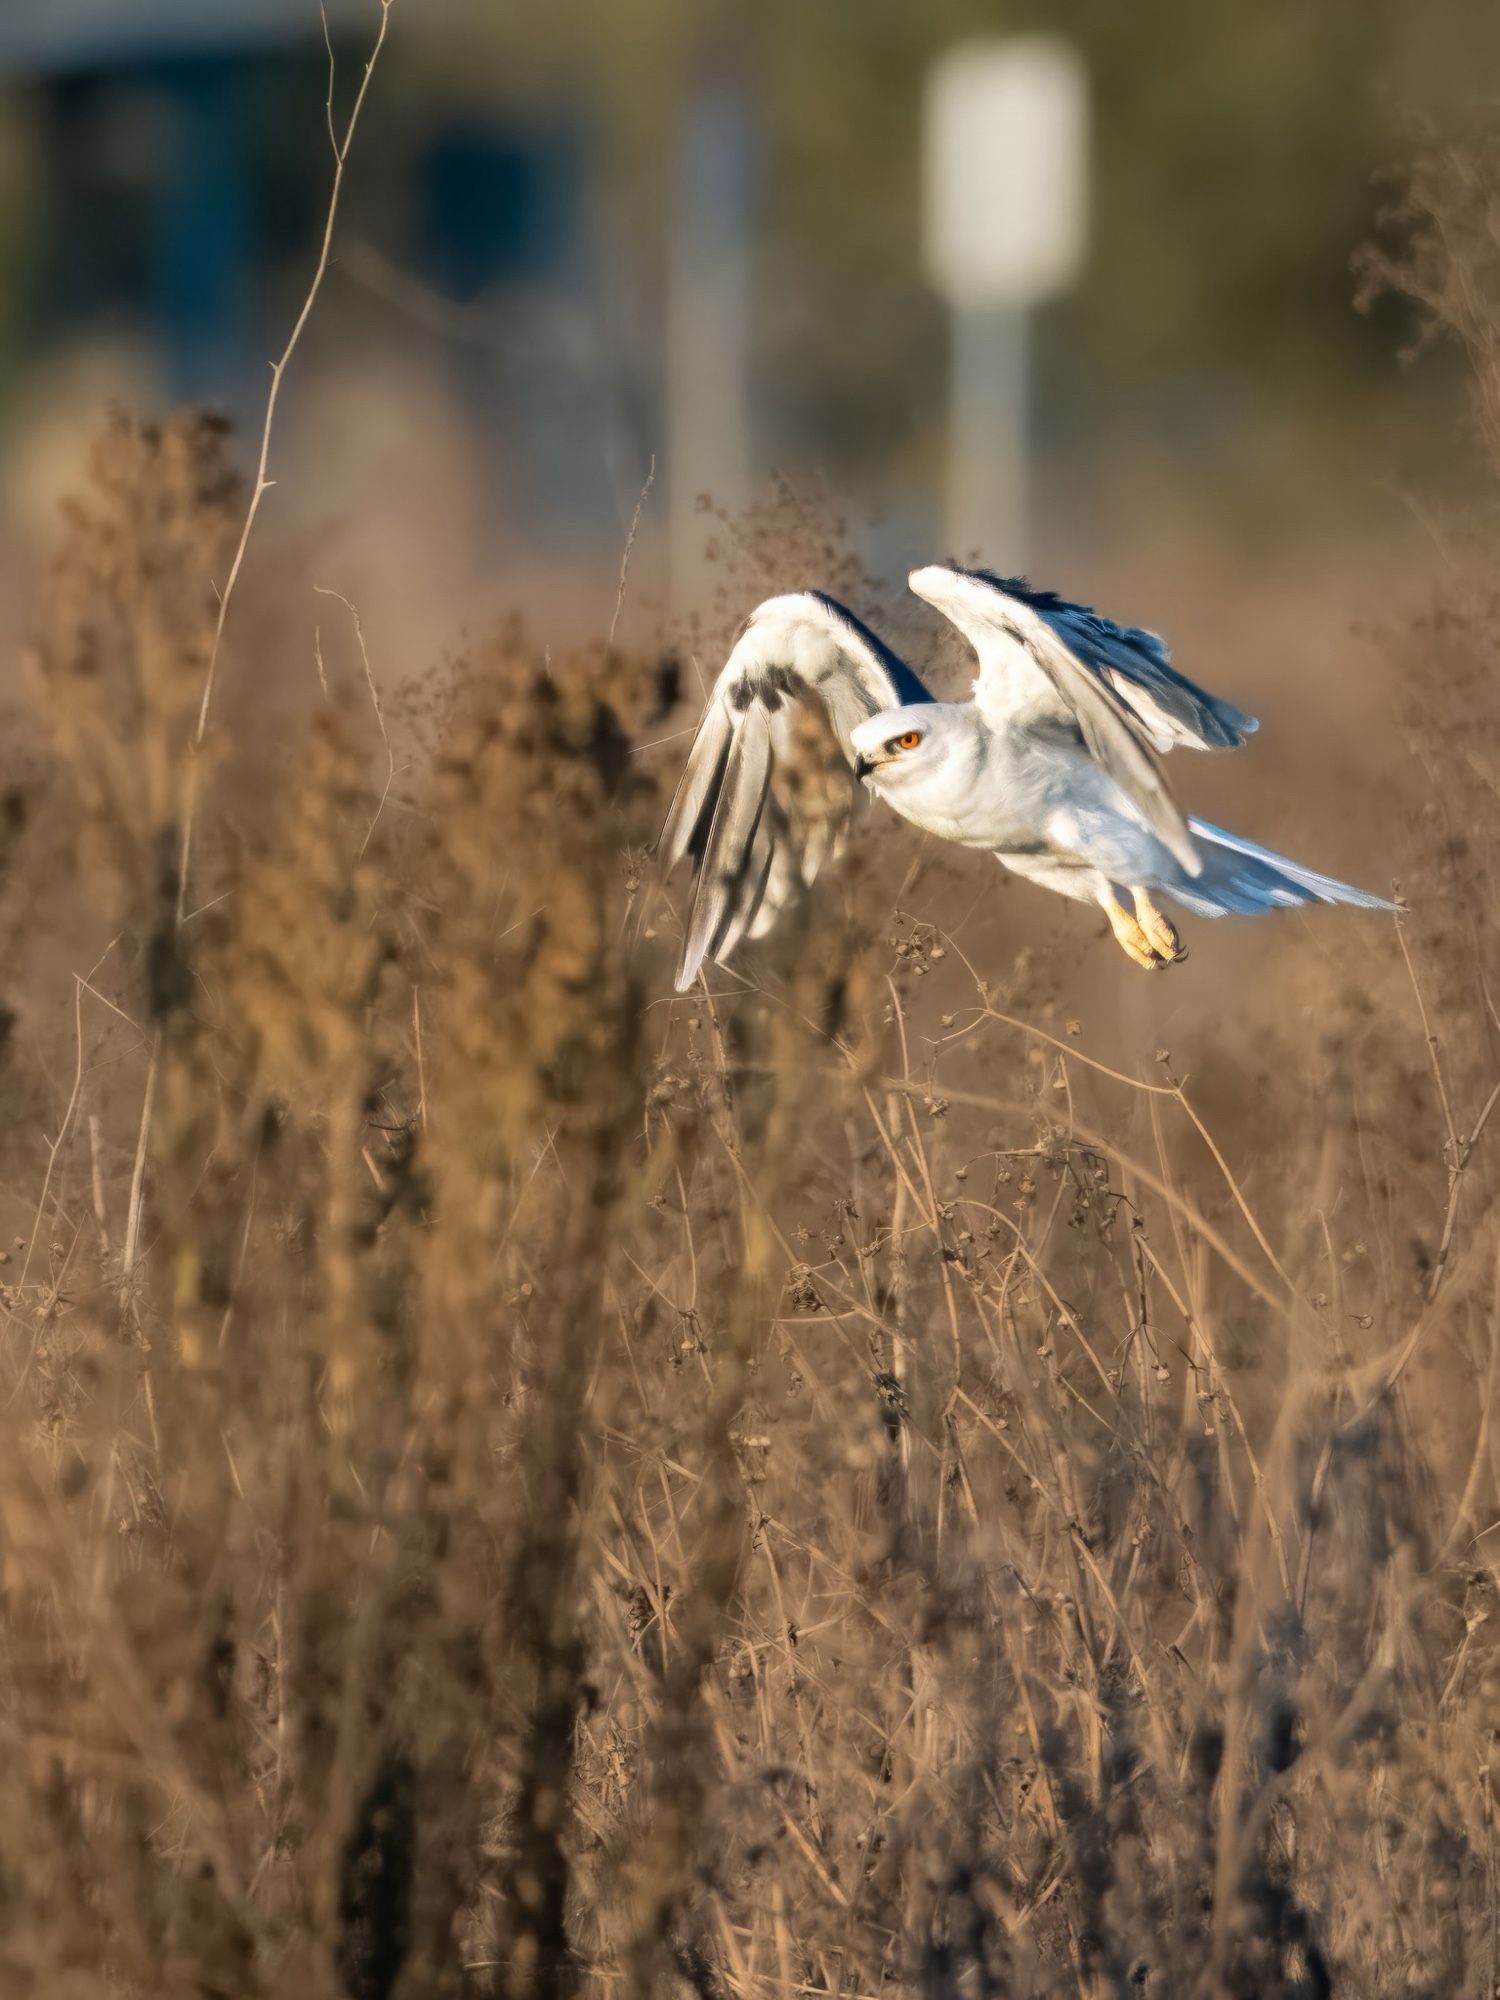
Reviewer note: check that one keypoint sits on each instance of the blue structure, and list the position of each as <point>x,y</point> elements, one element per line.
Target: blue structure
<point>152,122</point>
<point>181,183</point>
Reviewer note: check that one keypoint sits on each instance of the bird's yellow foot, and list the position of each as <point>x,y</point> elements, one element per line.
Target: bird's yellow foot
<point>1160,930</point>
<point>1131,935</point>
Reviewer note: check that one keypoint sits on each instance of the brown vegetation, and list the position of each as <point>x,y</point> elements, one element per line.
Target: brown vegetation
<point>515,1485</point>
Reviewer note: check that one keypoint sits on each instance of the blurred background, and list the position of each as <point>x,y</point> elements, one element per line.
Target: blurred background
<point>586,240</point>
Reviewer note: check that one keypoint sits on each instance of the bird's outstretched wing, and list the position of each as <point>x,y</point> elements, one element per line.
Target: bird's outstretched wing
<point>754,841</point>
<point>1029,676</point>
<point>1175,712</point>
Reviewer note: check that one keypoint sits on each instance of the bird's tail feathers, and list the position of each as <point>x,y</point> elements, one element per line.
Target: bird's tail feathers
<point>1240,877</point>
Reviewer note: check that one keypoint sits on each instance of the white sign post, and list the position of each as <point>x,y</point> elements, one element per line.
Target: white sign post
<point>1006,219</point>
<point>708,321</point>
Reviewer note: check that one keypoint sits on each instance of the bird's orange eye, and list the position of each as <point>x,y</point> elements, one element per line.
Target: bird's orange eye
<point>909,741</point>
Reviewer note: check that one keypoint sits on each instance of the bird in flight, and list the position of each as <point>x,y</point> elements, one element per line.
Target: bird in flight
<point>1052,765</point>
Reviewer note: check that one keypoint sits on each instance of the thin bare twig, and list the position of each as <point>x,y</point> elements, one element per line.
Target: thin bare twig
<point>1432,1050</point>
<point>80,985</point>
<point>416,1022</point>
<point>635,522</point>
<point>1371,1375</point>
<point>263,481</point>
<point>1464,1153</point>
<point>263,484</point>
<point>138,1171</point>
<point>63,1130</point>
<point>385,735</point>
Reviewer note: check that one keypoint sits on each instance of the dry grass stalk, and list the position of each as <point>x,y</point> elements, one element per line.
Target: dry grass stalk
<point>823,1487</point>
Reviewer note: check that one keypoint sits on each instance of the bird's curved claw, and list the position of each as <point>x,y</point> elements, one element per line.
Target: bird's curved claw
<point>1145,935</point>
<point>1160,931</point>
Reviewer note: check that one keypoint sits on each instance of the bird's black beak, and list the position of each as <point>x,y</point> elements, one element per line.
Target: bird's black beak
<point>863,765</point>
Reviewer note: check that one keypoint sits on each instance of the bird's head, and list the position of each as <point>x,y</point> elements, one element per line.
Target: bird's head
<point>896,734</point>
<point>901,746</point>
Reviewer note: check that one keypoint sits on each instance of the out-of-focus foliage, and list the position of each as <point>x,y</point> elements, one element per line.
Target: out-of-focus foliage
<point>1236,152</point>
<point>1235,156</point>
<point>516,1487</point>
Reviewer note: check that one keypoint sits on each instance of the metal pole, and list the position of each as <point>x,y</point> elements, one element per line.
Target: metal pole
<point>708,322</point>
<point>988,438</point>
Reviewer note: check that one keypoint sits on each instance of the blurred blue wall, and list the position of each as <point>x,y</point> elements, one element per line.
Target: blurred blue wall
<point>180,164</point>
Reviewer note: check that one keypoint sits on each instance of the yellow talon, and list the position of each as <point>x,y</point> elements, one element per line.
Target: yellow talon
<point>1160,930</point>
<point>1130,935</point>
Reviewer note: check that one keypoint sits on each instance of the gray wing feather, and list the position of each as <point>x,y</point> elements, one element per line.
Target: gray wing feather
<point>1139,668</point>
<point>724,870</point>
<point>750,903</point>
<point>823,839</point>
<point>1176,712</point>
<point>1030,676</point>
<point>752,850</point>
<point>1113,738</point>
<point>691,812</point>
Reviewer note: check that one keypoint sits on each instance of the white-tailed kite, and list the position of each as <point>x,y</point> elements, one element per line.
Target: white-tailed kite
<point>1052,766</point>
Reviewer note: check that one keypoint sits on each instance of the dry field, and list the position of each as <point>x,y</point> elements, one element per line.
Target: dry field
<point>861,1482</point>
